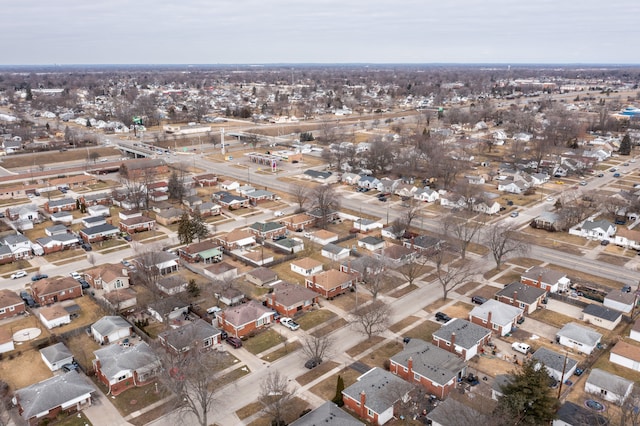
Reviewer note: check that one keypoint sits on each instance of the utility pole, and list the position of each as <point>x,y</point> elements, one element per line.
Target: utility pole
<point>564,368</point>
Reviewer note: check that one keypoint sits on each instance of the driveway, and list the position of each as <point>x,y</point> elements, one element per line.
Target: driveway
<point>565,308</point>
<point>535,327</point>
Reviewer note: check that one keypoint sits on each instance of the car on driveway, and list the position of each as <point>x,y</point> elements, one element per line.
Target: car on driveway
<point>616,175</point>
<point>28,299</point>
<point>234,341</point>
<point>514,214</point>
<point>38,277</point>
<point>18,274</point>
<point>583,183</point>
<point>72,366</point>
<point>84,283</point>
<point>521,347</point>
<point>313,363</point>
<point>604,242</point>
<point>478,300</point>
<point>278,213</point>
<point>75,275</point>
<point>86,246</point>
<point>441,316</point>
<point>289,323</point>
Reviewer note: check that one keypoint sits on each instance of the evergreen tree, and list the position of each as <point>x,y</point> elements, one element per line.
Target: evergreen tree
<point>527,399</point>
<point>337,399</point>
<point>176,189</point>
<point>185,230</point>
<point>625,145</point>
<point>200,230</point>
<point>193,289</point>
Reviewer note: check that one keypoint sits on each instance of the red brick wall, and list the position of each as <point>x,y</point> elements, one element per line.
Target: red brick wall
<point>16,310</point>
<point>440,391</point>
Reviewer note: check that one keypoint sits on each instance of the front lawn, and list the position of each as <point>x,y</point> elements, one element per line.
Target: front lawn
<point>263,341</point>
<point>135,399</point>
<point>313,318</point>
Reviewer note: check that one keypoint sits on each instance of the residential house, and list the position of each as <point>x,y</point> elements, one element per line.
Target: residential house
<point>405,190</point>
<point>306,266</point>
<point>169,309</point>
<point>55,230</point>
<point>64,393</point>
<point>192,201</point>
<point>322,177</point>
<point>197,334</point>
<point>620,300</point>
<point>601,316</point>
<point>289,299</point>
<point>475,179</point>
<point>350,178</point>
<point>374,395</point>
<point>58,242</point>
<point>206,180</point>
<point>236,239</point>
<point>19,245</point>
<point>423,244</point>
<point>121,299</point>
<point>230,296</point>
<point>289,245</point>
<point>499,383</point>
<point>523,296</point>
<point>548,221</point>
<point>56,289</point>
<point>261,276</point>
<point>627,238</point>
<point>56,355</point>
<point>366,225</point>
<point>559,366</point>
<point>61,204</point>
<point>245,319</point>
<point>221,271</point>
<point>595,230</point>
<point>172,284</point>
<point>634,333</point>
<point>207,209</point>
<point>120,367</point>
<point>206,251</point>
<point>334,252</point>
<point>435,369</point>
<point>135,221</point>
<point>451,411</point>
<point>496,316</point>
<point>512,186</point>
<point>6,256</point>
<point>571,414</point>
<point>230,201</point>
<point>6,341</point>
<point>427,195</point>
<point>62,217</point>
<point>165,262</point>
<point>54,316</point>
<point>28,212</point>
<point>388,185</point>
<point>487,207</point>
<point>396,255</point>
<point>608,386</point>
<point>330,283</point>
<point>267,230</point>
<point>99,233</point>
<point>91,221</point>
<point>582,339</point>
<point>368,182</point>
<point>371,243</point>
<point>260,195</point>
<point>229,185</point>
<point>547,279</point>
<point>328,414</point>
<point>108,277</point>
<point>626,355</point>
<point>110,329</point>
<point>298,222</point>
<point>99,210</point>
<point>169,215</point>
<point>10,304</point>
<point>318,215</point>
<point>461,337</point>
<point>362,267</point>
<point>323,237</point>
<point>99,199</point>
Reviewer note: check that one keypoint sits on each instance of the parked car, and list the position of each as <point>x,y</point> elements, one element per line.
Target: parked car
<point>514,214</point>
<point>213,310</point>
<point>72,366</point>
<point>478,299</point>
<point>626,289</point>
<point>18,274</point>
<point>521,347</point>
<point>278,213</point>
<point>84,283</point>
<point>38,277</point>
<point>279,237</point>
<point>604,242</point>
<point>75,275</point>
<point>234,341</point>
<point>313,363</point>
<point>600,174</point>
<point>28,299</point>
<point>289,323</point>
<point>441,316</point>
<point>127,237</point>
<point>86,246</point>
<point>616,175</point>
<point>583,183</point>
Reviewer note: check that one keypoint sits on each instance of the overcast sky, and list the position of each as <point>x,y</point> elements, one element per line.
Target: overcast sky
<point>319,31</point>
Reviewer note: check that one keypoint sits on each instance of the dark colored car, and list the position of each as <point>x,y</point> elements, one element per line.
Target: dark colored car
<point>279,237</point>
<point>73,366</point>
<point>127,237</point>
<point>604,242</point>
<point>223,334</point>
<point>441,316</point>
<point>478,299</point>
<point>86,246</point>
<point>234,341</point>
<point>84,283</point>
<point>626,289</point>
<point>28,299</point>
<point>38,277</point>
<point>313,363</point>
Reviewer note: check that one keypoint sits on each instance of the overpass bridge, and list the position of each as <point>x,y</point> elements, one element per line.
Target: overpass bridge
<point>138,149</point>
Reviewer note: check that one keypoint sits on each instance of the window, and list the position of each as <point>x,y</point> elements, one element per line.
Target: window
<point>260,322</point>
<point>603,392</point>
<point>370,413</point>
<point>405,369</point>
<point>522,305</point>
<point>416,377</point>
<point>121,378</point>
<point>494,326</point>
<point>2,310</point>
<point>118,283</point>
<point>12,308</point>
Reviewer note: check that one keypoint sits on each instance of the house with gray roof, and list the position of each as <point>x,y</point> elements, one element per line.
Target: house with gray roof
<point>608,386</point>
<point>374,395</point>
<point>500,381</point>
<point>55,356</point>
<point>110,329</point>
<point>244,319</point>
<point>595,230</point>
<point>267,230</point>
<point>522,296</point>
<point>496,316</point>
<point>328,414</point>
<point>453,412</point>
<point>577,337</point>
<point>555,363</point>
<point>99,232</point>
<point>371,243</point>
<point>317,175</point>
<point>197,334</point>
<point>63,217</point>
<point>121,368</point>
<point>547,279</point>
<point>334,252</point>
<point>435,369</point>
<point>260,195</point>
<point>289,245</point>
<point>461,337</point>
<point>620,300</point>
<point>19,244</point>
<point>601,316</point>
<point>261,276</point>
<point>571,414</point>
<point>290,299</point>
<point>24,212</point>
<point>67,393</point>
<point>55,229</point>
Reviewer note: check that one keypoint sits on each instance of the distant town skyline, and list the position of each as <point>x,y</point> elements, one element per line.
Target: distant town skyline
<point>320,31</point>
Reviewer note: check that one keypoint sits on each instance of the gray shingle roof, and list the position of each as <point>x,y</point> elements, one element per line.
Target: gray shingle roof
<point>554,360</point>
<point>580,334</point>
<point>609,382</point>
<point>107,325</point>
<point>382,389</point>
<point>602,312</point>
<point>526,293</point>
<point>501,313</point>
<point>56,353</point>
<point>452,411</point>
<point>333,248</point>
<point>430,361</point>
<point>574,414</point>
<point>467,333</point>
<point>328,414</point>
<point>115,358</point>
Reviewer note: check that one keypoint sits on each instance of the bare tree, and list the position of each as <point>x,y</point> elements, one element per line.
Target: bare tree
<point>326,201</point>
<point>503,240</point>
<point>375,280</point>
<point>276,397</point>
<point>451,275</point>
<point>411,212</point>
<point>461,232</point>
<point>372,318</point>
<point>317,348</point>
<point>301,194</point>
<point>134,187</point>
<point>411,271</point>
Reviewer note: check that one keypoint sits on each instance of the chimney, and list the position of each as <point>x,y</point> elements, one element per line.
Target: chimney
<point>349,267</point>
<point>515,299</point>
<point>489,319</point>
<point>453,342</point>
<point>410,367</point>
<point>540,280</point>
<point>363,400</point>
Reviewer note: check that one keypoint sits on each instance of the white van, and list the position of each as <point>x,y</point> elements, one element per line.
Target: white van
<point>521,347</point>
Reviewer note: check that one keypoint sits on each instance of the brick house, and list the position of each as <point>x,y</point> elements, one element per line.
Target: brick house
<point>496,316</point>
<point>197,334</point>
<point>330,283</point>
<point>245,319</point>
<point>238,238</point>
<point>267,230</point>
<point>99,233</point>
<point>299,222</point>
<point>206,251</point>
<point>374,395</point>
<point>51,290</point>
<point>522,296</point>
<point>545,278</point>
<point>108,277</point>
<point>435,369</point>
<point>139,167</point>
<point>103,199</point>
<point>206,180</point>
<point>289,299</point>
<point>62,204</point>
<point>10,304</point>
<point>134,221</point>
<point>120,368</point>
<point>461,337</point>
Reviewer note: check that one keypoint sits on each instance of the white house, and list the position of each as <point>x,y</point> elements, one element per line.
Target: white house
<point>426,194</point>
<point>601,316</point>
<point>55,356</point>
<point>635,331</point>
<point>487,208</point>
<point>366,225</point>
<point>110,329</point>
<point>620,300</point>
<point>228,185</point>
<point>608,386</point>
<point>559,366</point>
<point>54,316</point>
<point>334,252</point>
<point>595,230</point>
<point>513,187</point>
<point>626,355</point>
<point>578,337</point>
<point>323,237</point>
<point>627,238</point>
<point>306,266</point>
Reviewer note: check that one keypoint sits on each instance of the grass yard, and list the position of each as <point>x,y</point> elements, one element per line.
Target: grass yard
<point>263,341</point>
<point>319,371</point>
<point>363,346</point>
<point>402,324</point>
<point>509,277</point>
<point>436,305</point>
<point>525,262</point>
<point>335,325</point>
<point>403,291</point>
<point>23,368</point>
<point>249,410</point>
<point>285,350</point>
<point>314,318</point>
<point>347,301</point>
<point>423,331</point>
<point>378,357</point>
<point>326,389</point>
<point>612,259</point>
<point>231,376</point>
<point>135,399</point>
<point>550,317</point>
<point>459,310</point>
<point>294,408</point>
<point>150,415</point>
<point>577,276</point>
<point>77,419</point>
<point>82,346</point>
